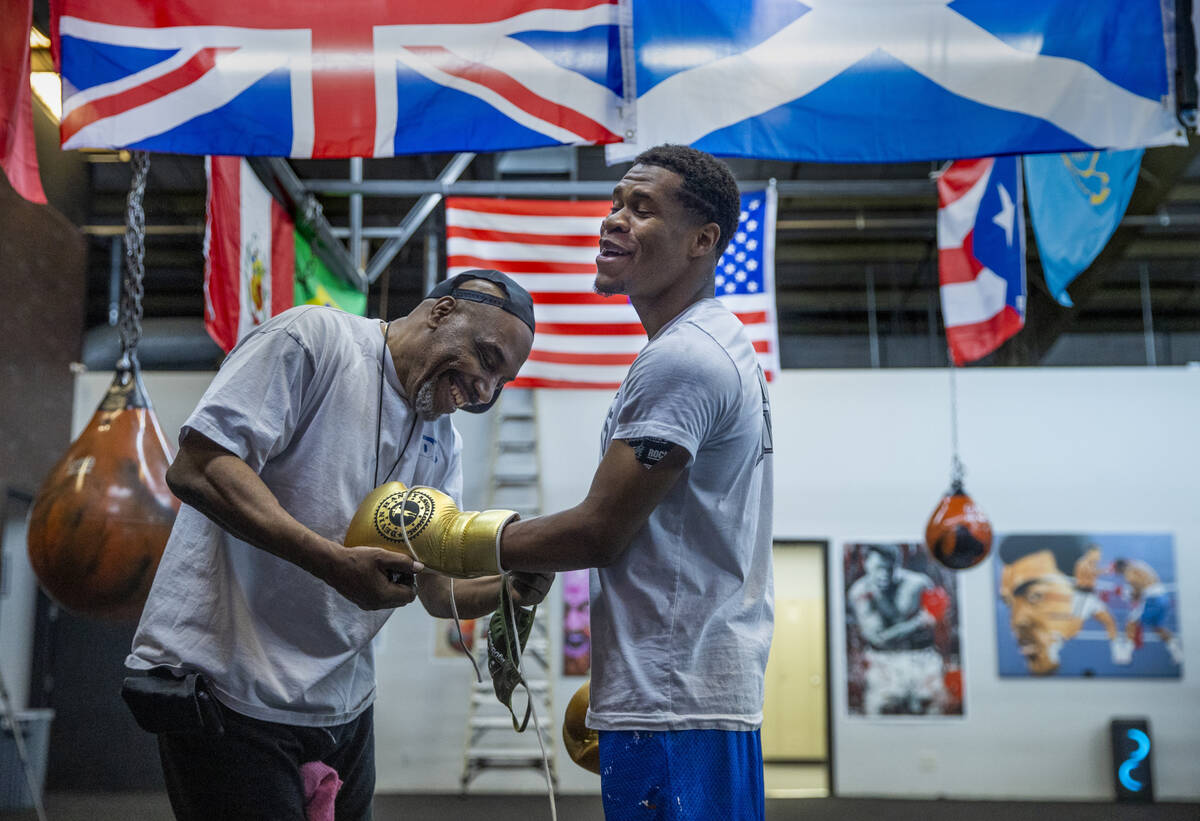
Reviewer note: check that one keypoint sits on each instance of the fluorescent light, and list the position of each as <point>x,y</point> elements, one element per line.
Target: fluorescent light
<point>37,39</point>
<point>47,87</point>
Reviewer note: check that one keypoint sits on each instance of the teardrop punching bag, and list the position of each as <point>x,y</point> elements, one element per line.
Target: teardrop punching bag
<point>101,518</point>
<point>958,534</point>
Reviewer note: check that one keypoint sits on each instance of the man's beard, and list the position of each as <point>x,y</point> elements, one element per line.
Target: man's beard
<point>423,404</point>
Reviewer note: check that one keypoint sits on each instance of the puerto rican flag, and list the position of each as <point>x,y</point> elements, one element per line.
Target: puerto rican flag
<point>981,254</point>
<point>355,78</point>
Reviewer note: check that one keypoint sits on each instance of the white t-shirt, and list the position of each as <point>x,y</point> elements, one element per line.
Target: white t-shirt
<point>296,399</point>
<point>682,623</point>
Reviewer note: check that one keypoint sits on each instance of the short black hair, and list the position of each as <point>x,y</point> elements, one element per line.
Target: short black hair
<point>709,190</point>
<point>889,552</point>
<point>1066,547</point>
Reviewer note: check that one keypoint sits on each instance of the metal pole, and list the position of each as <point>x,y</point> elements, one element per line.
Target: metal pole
<point>416,216</point>
<point>872,321</point>
<point>431,258</point>
<point>307,211</point>
<point>1147,316</point>
<point>829,189</point>
<point>356,203</point>
<point>115,257</point>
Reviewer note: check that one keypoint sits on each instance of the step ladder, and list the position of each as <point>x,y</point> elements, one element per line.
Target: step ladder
<point>491,742</point>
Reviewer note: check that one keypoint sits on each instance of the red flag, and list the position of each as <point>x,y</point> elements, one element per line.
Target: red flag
<point>585,340</point>
<point>256,263</point>
<point>249,258</point>
<point>18,153</point>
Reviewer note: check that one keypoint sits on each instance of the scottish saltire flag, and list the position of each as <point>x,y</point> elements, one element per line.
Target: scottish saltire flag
<point>1076,201</point>
<point>308,78</point>
<point>981,254</point>
<point>900,80</point>
<point>585,340</point>
<point>256,264</point>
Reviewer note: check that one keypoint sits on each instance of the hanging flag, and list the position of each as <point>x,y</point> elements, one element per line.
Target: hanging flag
<point>1076,201</point>
<point>981,254</point>
<point>360,78</point>
<point>18,153</point>
<point>585,340</point>
<point>900,80</point>
<point>256,264</point>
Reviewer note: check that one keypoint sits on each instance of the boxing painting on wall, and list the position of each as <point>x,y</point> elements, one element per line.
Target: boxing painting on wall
<point>577,632</point>
<point>902,636</point>
<point>1087,604</point>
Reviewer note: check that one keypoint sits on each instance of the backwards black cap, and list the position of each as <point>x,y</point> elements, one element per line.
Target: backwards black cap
<point>517,302</point>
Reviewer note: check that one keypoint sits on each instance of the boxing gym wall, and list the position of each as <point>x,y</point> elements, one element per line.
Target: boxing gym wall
<point>42,269</point>
<point>861,456</point>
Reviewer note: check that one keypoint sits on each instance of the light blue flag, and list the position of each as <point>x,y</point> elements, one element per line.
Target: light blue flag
<point>1076,202</point>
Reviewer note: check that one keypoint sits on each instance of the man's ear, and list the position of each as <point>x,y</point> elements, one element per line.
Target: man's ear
<point>705,239</point>
<point>441,309</point>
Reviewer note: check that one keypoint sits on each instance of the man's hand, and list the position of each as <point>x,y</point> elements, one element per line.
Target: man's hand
<point>528,589</point>
<point>364,575</point>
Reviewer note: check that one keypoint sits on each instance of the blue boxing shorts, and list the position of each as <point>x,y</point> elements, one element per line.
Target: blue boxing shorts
<point>681,775</point>
<point>1154,611</point>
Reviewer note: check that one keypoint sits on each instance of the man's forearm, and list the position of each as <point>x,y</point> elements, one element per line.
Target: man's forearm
<point>569,540</point>
<point>228,491</point>
<point>908,626</point>
<point>474,598</point>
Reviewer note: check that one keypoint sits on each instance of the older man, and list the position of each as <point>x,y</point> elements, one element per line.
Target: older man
<point>258,612</point>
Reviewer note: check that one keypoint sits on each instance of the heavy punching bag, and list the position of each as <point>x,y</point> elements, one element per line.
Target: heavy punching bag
<point>101,518</point>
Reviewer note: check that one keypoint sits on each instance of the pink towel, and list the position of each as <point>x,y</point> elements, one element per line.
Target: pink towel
<point>321,785</point>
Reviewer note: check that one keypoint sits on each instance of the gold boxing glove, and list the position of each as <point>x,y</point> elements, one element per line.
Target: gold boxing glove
<point>461,544</point>
<point>583,744</point>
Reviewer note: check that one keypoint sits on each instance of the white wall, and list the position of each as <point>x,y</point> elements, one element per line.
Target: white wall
<point>864,456</point>
<point>860,456</point>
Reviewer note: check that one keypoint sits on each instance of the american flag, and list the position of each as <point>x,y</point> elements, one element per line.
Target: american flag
<point>304,78</point>
<point>585,340</point>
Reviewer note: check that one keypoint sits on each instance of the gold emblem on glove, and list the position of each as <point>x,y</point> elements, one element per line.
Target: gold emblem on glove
<point>395,516</point>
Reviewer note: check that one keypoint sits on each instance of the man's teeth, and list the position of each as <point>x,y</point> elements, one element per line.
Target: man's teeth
<point>457,396</point>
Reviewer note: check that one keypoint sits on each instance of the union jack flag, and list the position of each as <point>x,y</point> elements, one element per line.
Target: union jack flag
<point>356,78</point>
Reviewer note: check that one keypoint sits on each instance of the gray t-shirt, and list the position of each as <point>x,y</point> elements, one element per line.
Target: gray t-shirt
<point>296,399</point>
<point>682,623</point>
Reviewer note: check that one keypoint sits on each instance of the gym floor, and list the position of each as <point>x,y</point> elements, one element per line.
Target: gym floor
<point>154,807</point>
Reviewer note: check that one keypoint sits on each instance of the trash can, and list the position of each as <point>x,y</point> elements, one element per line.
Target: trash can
<point>35,733</point>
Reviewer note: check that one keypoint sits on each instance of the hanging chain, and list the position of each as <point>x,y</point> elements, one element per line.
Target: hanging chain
<point>956,465</point>
<point>130,322</point>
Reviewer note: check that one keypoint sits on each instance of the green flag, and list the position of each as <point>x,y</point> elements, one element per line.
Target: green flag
<point>317,285</point>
